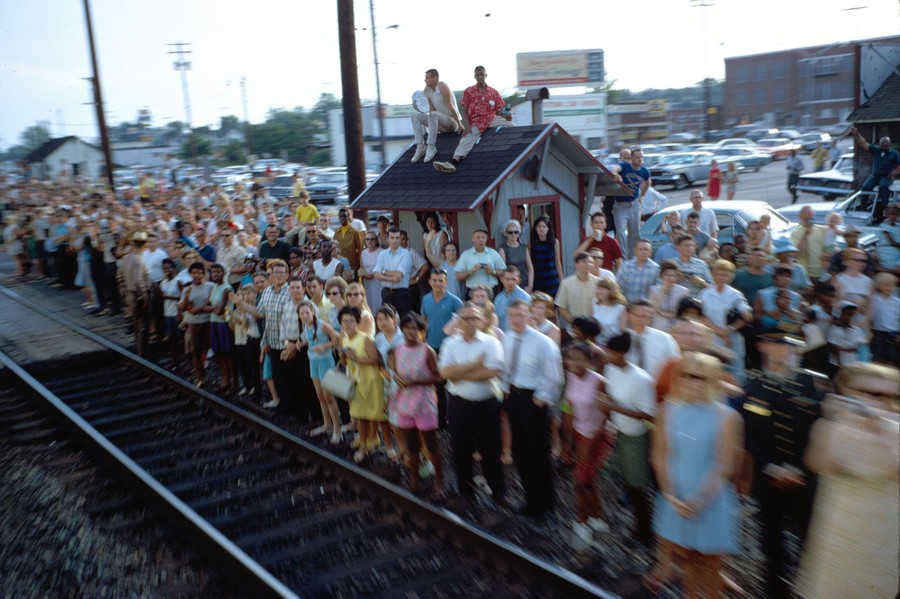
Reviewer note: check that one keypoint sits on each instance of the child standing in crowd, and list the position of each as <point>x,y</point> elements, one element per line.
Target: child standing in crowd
<point>885,319</point>
<point>415,408</point>
<point>171,294</point>
<point>246,343</point>
<point>196,309</point>
<point>592,440</point>
<point>220,335</point>
<point>320,339</point>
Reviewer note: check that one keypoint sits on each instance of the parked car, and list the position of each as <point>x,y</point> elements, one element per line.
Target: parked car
<point>282,186</point>
<point>746,157</point>
<point>761,133</point>
<point>682,169</point>
<point>832,184</point>
<point>671,147</point>
<point>809,140</point>
<point>858,210</point>
<point>779,147</point>
<point>327,187</point>
<point>732,218</point>
<point>741,142</point>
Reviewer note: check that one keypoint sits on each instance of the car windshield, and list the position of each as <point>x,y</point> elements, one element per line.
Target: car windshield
<point>284,181</point>
<point>769,143</point>
<point>680,159</point>
<point>332,178</point>
<point>778,222</point>
<point>845,166</point>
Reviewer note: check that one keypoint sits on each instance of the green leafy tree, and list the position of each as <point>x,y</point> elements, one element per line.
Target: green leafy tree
<point>35,136</point>
<point>196,145</point>
<point>235,152</point>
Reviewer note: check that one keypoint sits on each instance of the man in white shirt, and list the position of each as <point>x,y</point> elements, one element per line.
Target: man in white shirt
<point>651,349</point>
<point>708,222</point>
<point>152,258</point>
<point>632,405</point>
<point>442,116</point>
<point>532,382</point>
<point>479,265</point>
<point>794,166</point>
<point>472,362</point>
<point>576,293</point>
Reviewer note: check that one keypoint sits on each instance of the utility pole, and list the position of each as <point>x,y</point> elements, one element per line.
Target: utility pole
<point>383,162</point>
<point>707,93</point>
<point>98,99</point>
<point>353,138</point>
<point>183,65</point>
<point>248,132</point>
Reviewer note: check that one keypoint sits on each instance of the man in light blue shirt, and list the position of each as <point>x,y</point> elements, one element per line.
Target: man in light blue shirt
<point>392,268</point>
<point>510,279</point>
<point>479,265</point>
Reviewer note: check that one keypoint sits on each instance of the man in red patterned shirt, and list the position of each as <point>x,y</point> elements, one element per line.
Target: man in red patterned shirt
<point>480,109</point>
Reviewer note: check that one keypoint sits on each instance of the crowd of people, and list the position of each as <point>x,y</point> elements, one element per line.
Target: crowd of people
<point>699,374</point>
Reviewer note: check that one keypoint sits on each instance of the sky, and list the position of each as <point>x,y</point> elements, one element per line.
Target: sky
<point>287,50</point>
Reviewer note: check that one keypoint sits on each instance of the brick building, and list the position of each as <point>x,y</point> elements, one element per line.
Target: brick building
<point>806,87</point>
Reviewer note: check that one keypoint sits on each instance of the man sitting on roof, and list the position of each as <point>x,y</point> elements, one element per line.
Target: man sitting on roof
<point>481,106</point>
<point>442,116</point>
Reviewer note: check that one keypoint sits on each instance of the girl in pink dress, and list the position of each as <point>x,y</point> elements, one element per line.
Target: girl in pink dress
<point>413,365</point>
<point>593,440</point>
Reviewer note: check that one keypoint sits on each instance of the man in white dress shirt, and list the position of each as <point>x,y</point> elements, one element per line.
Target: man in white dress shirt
<point>532,382</point>
<point>651,349</point>
<point>472,363</point>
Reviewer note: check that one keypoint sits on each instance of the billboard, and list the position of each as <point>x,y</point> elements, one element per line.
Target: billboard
<point>569,67</point>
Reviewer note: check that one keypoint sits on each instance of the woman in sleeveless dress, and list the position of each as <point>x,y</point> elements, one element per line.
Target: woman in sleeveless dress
<point>545,257</point>
<point>515,253</point>
<point>694,453</point>
<point>415,407</point>
<point>361,358</point>
<point>320,339</point>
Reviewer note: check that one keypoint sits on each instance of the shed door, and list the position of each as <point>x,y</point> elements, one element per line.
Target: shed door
<point>535,207</point>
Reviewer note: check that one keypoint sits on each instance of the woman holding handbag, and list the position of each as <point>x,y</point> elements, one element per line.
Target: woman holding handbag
<point>361,358</point>
<point>320,338</point>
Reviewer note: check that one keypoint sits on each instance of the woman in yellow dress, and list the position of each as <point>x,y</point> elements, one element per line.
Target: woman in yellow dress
<point>853,547</point>
<point>361,357</point>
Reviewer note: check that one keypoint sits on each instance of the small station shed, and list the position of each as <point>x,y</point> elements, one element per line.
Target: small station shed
<point>540,167</point>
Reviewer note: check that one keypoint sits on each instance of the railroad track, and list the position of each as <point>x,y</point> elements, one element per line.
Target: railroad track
<point>282,517</point>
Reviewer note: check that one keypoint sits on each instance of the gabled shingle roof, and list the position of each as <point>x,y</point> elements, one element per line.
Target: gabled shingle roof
<point>47,148</point>
<point>884,105</point>
<point>407,186</point>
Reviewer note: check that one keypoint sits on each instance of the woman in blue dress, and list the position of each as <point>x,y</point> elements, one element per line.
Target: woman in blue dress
<point>695,451</point>
<point>545,257</point>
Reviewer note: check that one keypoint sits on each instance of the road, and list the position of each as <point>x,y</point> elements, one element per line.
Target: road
<point>768,185</point>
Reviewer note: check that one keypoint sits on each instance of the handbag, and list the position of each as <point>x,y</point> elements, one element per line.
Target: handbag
<point>339,384</point>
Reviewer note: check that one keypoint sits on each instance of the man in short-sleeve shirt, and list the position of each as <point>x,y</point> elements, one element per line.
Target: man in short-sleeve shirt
<point>481,106</point>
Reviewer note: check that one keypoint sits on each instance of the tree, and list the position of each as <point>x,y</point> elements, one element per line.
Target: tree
<point>235,152</point>
<point>326,102</point>
<point>35,136</point>
<point>229,123</point>
<point>196,145</point>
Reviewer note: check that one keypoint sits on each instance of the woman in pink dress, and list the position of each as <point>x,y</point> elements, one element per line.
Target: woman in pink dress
<point>413,365</point>
<point>714,181</point>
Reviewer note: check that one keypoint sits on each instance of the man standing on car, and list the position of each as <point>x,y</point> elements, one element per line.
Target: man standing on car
<point>794,167</point>
<point>442,116</point>
<point>627,210</point>
<point>885,167</point>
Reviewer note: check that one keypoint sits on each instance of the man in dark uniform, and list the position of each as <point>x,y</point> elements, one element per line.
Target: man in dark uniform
<point>781,405</point>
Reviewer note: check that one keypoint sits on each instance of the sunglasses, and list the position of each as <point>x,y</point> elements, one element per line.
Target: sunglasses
<point>512,232</point>
<point>693,376</point>
<point>355,294</point>
<point>336,293</point>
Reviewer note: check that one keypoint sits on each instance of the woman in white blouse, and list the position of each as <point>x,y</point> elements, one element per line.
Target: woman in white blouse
<point>721,303</point>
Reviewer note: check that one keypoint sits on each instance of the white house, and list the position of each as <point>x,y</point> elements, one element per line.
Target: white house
<point>68,156</point>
